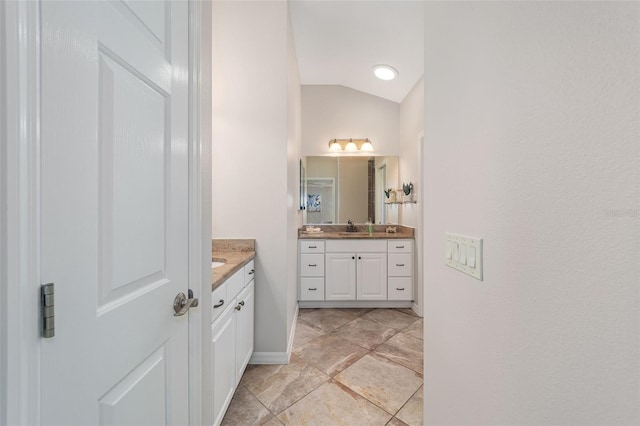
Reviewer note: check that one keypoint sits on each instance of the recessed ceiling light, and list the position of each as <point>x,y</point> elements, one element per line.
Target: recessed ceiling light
<point>385,72</point>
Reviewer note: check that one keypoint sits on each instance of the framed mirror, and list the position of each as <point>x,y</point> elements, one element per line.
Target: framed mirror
<point>303,197</point>
<point>350,188</point>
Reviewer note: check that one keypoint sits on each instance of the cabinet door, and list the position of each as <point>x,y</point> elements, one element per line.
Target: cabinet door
<point>340,276</point>
<point>223,358</point>
<point>372,276</point>
<point>244,341</point>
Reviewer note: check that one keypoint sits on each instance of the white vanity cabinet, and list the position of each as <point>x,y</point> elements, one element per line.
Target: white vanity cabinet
<point>232,332</point>
<point>356,272</point>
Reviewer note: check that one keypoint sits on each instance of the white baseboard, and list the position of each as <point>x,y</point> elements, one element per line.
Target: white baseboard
<point>356,304</point>
<point>416,308</point>
<point>269,358</point>
<point>277,357</point>
<point>292,335</point>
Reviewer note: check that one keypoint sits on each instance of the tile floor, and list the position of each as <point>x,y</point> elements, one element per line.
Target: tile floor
<point>352,367</point>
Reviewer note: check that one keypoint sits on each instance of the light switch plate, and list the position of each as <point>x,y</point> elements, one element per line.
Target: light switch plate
<point>472,245</point>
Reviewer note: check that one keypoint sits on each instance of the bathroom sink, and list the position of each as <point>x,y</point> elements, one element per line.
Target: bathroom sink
<point>216,264</point>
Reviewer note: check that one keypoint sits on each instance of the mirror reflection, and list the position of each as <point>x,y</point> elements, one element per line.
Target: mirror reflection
<point>350,188</point>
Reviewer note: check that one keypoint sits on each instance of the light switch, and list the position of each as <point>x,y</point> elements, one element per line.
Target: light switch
<point>464,254</point>
<point>471,256</point>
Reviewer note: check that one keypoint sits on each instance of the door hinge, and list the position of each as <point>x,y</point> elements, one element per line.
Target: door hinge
<point>48,312</point>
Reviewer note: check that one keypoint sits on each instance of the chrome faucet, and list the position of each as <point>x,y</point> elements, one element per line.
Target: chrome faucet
<point>351,227</point>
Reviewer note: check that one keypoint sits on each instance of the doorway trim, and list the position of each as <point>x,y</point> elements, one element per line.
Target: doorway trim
<point>20,214</point>
<point>418,299</point>
<point>199,202</point>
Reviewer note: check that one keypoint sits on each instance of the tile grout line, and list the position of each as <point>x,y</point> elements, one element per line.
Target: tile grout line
<point>327,378</point>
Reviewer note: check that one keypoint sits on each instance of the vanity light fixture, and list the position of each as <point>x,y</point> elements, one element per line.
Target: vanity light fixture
<point>334,146</point>
<point>367,147</point>
<point>350,145</point>
<point>385,72</point>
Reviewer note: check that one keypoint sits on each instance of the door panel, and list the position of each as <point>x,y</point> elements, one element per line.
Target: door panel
<point>223,354</point>
<point>114,211</point>
<point>120,406</point>
<point>340,279</point>
<point>372,276</point>
<point>245,330</point>
<point>132,117</point>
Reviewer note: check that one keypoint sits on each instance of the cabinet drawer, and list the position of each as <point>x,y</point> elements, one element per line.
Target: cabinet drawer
<point>312,289</point>
<point>400,265</point>
<point>219,301</point>
<point>312,265</point>
<point>311,246</point>
<point>249,271</point>
<point>400,288</point>
<point>235,283</point>
<point>399,246</point>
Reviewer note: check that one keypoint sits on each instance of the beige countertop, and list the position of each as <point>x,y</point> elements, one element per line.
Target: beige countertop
<point>334,232</point>
<point>233,262</point>
<point>353,236</point>
<point>235,253</point>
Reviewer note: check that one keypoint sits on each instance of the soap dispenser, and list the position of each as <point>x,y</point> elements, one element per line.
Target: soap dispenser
<point>370,226</point>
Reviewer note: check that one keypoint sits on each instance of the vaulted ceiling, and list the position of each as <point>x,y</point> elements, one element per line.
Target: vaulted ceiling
<point>338,42</point>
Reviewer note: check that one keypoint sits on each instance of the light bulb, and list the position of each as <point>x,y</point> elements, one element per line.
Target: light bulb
<point>385,72</point>
<point>366,147</point>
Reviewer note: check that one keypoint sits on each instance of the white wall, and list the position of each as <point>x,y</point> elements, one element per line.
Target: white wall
<point>411,127</point>
<point>531,135</point>
<point>255,153</point>
<point>337,112</point>
<point>294,148</point>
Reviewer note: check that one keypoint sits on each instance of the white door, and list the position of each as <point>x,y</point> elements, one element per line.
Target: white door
<point>340,280</point>
<point>114,210</point>
<point>372,276</point>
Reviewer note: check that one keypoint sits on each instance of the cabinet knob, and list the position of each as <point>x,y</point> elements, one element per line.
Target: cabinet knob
<point>219,304</point>
<point>251,272</point>
<point>313,246</point>
<point>360,257</point>
<point>238,307</point>
<point>400,289</point>
<point>399,246</point>
<point>353,257</point>
<point>399,264</point>
<point>313,289</point>
<point>313,264</point>
<point>242,303</point>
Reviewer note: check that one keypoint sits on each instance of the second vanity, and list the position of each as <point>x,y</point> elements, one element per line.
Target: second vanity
<point>232,318</point>
<point>342,269</point>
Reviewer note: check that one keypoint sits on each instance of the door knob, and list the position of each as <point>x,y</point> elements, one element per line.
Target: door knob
<point>181,304</point>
